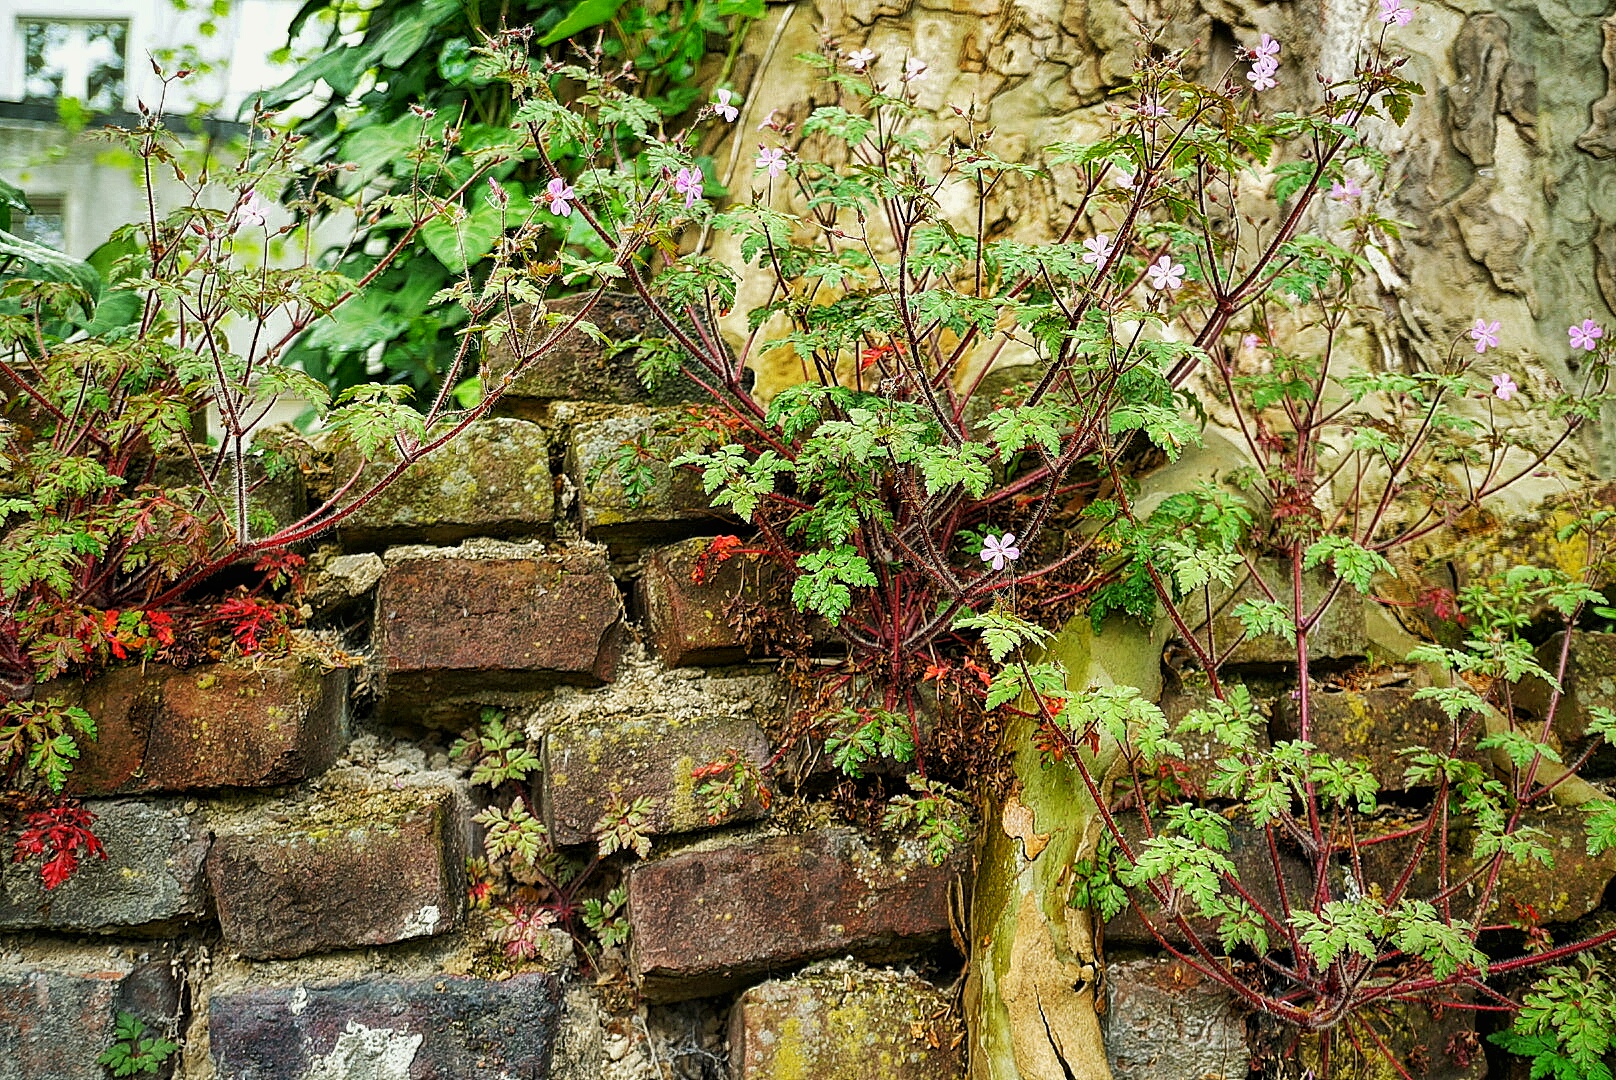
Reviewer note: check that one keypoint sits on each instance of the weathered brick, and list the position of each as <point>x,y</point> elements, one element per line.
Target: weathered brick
<point>647,752</point>
<point>581,367</point>
<point>491,480</point>
<point>711,917</point>
<point>57,1015</point>
<point>449,622</point>
<point>1164,1021</point>
<point>1341,635</point>
<point>338,870</point>
<point>1372,726</point>
<point>674,500</point>
<point>442,1027</point>
<point>1590,680</point>
<point>1254,867</point>
<point>1574,887</point>
<point>237,724</point>
<point>691,621</point>
<point>845,1022</point>
<point>1201,752</point>
<point>152,876</point>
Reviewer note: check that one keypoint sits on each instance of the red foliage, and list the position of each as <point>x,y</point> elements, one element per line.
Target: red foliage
<point>256,623</point>
<point>58,834</point>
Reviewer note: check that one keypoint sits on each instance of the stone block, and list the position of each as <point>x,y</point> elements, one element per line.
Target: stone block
<point>845,1022</point>
<point>643,754</point>
<point>1572,888</point>
<point>695,608</point>
<point>1590,680</point>
<point>151,879</point>
<point>1341,635</point>
<point>1254,867</point>
<point>1201,752</point>
<point>1164,1021</point>
<point>58,1015</point>
<point>338,870</point>
<point>1372,726</point>
<point>1426,1045</point>
<point>442,1027</point>
<point>714,916</point>
<point>491,480</point>
<point>580,367</point>
<point>449,621</point>
<point>672,500</point>
<point>238,724</point>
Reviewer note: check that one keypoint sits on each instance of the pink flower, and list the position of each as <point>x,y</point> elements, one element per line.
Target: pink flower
<point>914,69</point>
<point>1267,49</point>
<point>1392,11</point>
<point>1584,336</point>
<point>1485,335</point>
<point>497,195</point>
<point>253,211</point>
<point>724,108</point>
<point>689,183</point>
<point>1097,249</point>
<point>1151,108</point>
<point>999,550</point>
<point>1126,180</point>
<point>1262,73</point>
<point>1164,273</point>
<point>1250,341</point>
<point>559,194</point>
<point>1350,190</point>
<point>774,160</point>
<point>1504,386</point>
<point>861,59</point>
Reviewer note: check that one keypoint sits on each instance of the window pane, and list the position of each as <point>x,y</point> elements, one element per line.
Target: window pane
<point>45,46</point>
<point>46,225</point>
<point>105,44</point>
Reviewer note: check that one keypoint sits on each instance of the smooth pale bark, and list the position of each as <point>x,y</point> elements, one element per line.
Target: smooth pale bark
<point>1030,994</point>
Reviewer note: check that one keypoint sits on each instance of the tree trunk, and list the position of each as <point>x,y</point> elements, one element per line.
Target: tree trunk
<point>1030,996</point>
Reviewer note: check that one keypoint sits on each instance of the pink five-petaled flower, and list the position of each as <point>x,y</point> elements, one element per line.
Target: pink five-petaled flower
<point>1392,11</point>
<point>914,69</point>
<point>1262,73</point>
<point>861,59</point>
<point>688,183</point>
<point>1485,335</point>
<point>1584,336</point>
<point>1151,109</point>
<point>1267,49</point>
<point>725,106</point>
<point>559,194</point>
<point>1164,273</point>
<point>774,160</point>
<point>1350,190</point>
<point>999,550</point>
<point>1098,249</point>
<point>253,211</point>
<point>1504,386</point>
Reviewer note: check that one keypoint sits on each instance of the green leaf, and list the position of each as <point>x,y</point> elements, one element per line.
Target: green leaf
<point>584,14</point>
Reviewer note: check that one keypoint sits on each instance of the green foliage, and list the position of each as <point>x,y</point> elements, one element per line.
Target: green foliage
<point>606,918</point>
<point>43,735</point>
<point>498,754</point>
<point>133,1052</point>
<point>1566,1024</point>
<point>859,736</point>
<point>936,813</point>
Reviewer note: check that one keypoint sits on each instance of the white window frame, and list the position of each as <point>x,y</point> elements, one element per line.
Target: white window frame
<point>141,15</point>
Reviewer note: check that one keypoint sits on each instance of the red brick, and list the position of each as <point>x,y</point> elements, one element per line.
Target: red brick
<point>57,1015</point>
<point>449,623</point>
<point>709,918</point>
<point>338,870</point>
<point>240,724</point>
